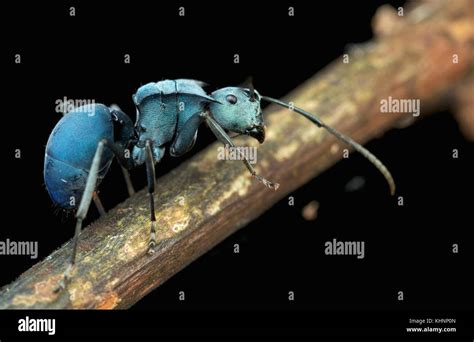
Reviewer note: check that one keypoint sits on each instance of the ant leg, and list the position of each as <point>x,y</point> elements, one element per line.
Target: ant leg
<point>128,181</point>
<point>186,137</point>
<point>118,150</point>
<point>98,204</point>
<point>125,163</point>
<point>150,173</point>
<point>222,136</point>
<point>115,148</point>
<point>82,211</point>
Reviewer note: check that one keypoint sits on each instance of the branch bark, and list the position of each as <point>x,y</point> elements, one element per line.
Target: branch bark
<point>205,200</point>
<point>464,107</point>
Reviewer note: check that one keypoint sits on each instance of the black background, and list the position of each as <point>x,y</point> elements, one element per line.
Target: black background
<point>408,248</point>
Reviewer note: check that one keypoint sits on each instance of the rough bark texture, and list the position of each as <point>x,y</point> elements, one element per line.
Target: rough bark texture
<point>205,200</point>
<point>464,106</point>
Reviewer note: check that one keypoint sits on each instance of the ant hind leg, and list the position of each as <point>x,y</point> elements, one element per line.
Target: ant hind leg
<point>82,211</point>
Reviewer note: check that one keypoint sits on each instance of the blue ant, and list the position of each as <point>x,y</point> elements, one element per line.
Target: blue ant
<point>84,142</point>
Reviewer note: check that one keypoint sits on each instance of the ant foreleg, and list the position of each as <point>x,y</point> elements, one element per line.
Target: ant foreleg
<point>151,180</point>
<point>222,136</point>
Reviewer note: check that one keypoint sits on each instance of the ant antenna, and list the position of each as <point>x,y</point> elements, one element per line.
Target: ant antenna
<point>358,147</point>
<point>251,90</point>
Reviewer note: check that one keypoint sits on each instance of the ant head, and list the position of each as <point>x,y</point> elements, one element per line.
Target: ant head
<point>239,111</point>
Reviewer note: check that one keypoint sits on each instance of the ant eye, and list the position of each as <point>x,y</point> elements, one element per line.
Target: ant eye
<point>231,99</point>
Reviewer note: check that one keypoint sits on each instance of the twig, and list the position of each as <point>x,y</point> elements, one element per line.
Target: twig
<point>205,200</point>
<point>464,107</point>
